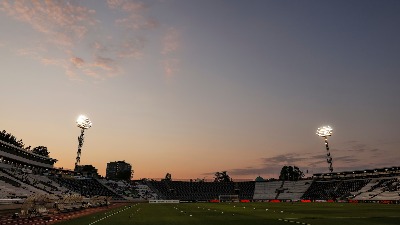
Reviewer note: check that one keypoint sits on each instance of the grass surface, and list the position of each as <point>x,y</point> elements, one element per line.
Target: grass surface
<point>246,214</point>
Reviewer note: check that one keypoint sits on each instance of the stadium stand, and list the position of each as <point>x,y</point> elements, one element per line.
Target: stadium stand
<point>123,188</point>
<point>201,191</point>
<point>266,190</point>
<point>12,188</point>
<point>88,187</point>
<point>334,189</point>
<point>293,190</point>
<point>144,191</point>
<point>245,190</point>
<point>380,189</point>
<point>16,181</point>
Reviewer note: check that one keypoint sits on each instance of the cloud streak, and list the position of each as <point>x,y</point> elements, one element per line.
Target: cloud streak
<point>67,28</point>
<point>171,44</point>
<point>132,14</point>
<point>171,41</point>
<point>64,23</point>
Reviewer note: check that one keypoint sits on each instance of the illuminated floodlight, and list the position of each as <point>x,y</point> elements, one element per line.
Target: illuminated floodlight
<point>324,131</point>
<point>83,122</point>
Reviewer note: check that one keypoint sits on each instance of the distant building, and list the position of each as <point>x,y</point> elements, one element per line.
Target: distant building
<point>119,170</point>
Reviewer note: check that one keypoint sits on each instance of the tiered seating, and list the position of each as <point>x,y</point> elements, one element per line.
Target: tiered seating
<point>333,189</point>
<point>293,190</point>
<point>123,188</point>
<point>50,185</point>
<point>266,190</point>
<point>6,190</point>
<point>347,187</point>
<point>387,196</point>
<point>321,190</point>
<point>38,181</point>
<point>145,192</point>
<point>202,191</point>
<point>12,188</point>
<point>86,187</point>
<point>10,181</point>
<point>245,189</point>
<point>380,189</point>
<point>9,189</point>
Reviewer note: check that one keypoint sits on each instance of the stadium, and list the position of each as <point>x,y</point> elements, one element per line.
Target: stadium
<point>33,191</point>
<point>233,101</point>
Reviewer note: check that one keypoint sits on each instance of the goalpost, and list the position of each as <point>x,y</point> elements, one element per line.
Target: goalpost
<point>228,198</point>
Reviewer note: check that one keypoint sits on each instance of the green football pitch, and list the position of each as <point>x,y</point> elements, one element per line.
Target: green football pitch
<point>245,214</point>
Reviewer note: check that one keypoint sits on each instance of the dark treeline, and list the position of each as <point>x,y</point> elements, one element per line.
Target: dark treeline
<point>11,139</point>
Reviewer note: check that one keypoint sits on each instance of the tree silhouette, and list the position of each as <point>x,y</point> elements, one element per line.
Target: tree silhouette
<point>222,177</point>
<point>259,178</point>
<point>20,143</point>
<point>168,177</point>
<point>11,139</point>
<point>124,175</point>
<point>41,150</point>
<point>291,173</point>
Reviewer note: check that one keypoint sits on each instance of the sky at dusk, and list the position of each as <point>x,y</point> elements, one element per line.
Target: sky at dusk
<point>194,87</point>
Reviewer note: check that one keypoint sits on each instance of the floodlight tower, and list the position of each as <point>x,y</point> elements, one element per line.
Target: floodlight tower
<point>324,132</point>
<point>84,123</point>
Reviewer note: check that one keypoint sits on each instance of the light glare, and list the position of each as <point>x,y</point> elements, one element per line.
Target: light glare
<point>324,131</point>
<point>83,122</point>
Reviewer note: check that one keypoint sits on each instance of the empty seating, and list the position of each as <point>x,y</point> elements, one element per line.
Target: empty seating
<point>266,190</point>
<point>201,191</point>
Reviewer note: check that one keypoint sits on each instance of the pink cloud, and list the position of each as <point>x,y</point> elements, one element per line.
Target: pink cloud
<point>55,62</point>
<point>62,22</point>
<point>72,74</point>
<point>132,14</point>
<point>136,22</point>
<point>66,28</point>
<point>106,64</point>
<point>78,62</point>
<point>125,5</point>
<point>171,41</point>
<point>34,52</point>
<point>171,67</point>
<point>131,48</point>
<point>91,73</point>
<point>171,45</point>
<point>130,6</point>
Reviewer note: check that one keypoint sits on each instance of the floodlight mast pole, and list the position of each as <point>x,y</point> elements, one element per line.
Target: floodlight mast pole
<point>81,138</point>
<point>324,132</point>
<point>84,123</point>
<point>328,155</point>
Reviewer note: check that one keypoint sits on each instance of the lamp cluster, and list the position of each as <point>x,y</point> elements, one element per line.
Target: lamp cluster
<point>83,122</point>
<point>324,132</point>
